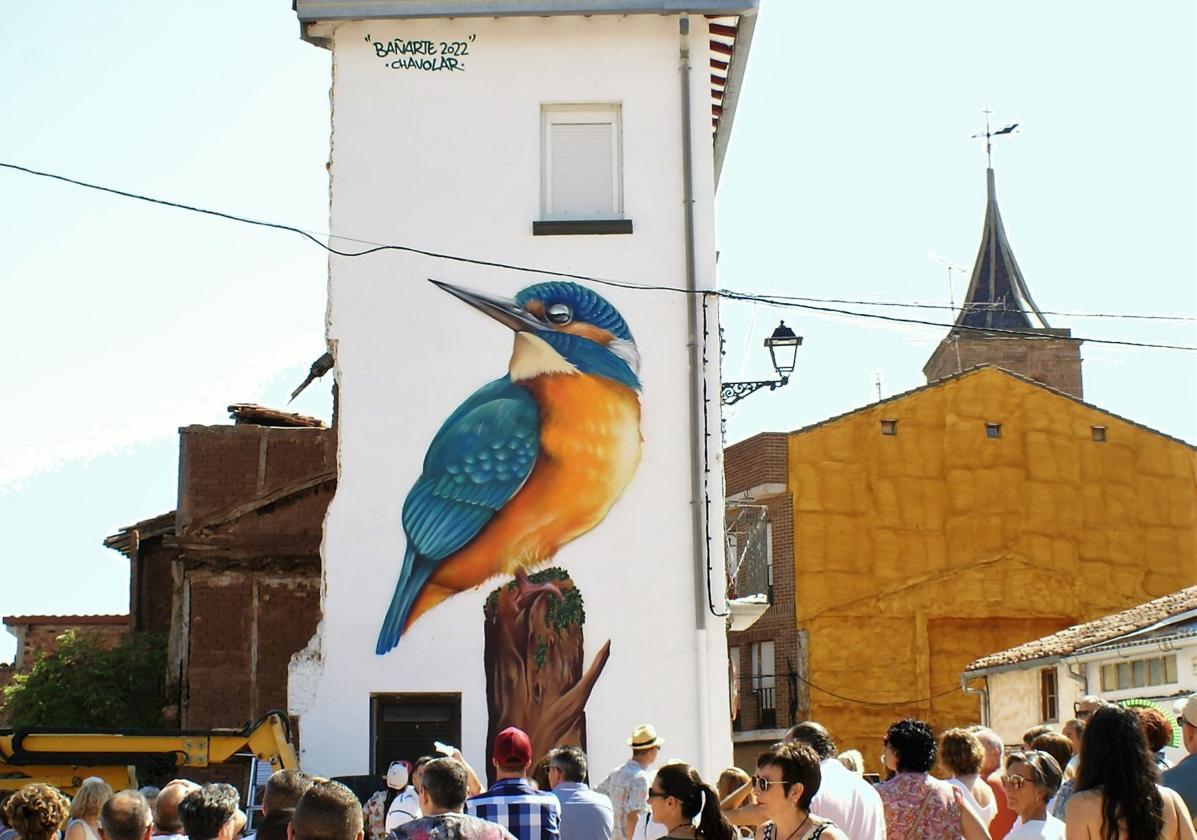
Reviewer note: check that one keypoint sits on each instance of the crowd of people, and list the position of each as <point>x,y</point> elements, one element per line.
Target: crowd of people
<point>1103,776</point>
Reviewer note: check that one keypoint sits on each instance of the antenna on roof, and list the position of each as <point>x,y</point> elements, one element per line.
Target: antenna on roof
<point>988,134</point>
<point>951,266</point>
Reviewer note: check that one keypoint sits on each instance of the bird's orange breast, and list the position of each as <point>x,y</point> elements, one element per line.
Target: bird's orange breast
<point>589,450</point>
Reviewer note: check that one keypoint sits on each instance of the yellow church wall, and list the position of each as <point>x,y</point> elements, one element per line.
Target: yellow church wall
<point>919,552</point>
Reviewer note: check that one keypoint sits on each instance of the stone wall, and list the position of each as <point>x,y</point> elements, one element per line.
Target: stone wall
<point>1056,362</point>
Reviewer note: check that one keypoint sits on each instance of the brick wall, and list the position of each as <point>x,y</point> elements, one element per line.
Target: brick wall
<point>243,629</point>
<point>761,459</point>
<point>152,587</point>
<point>251,571</point>
<point>223,466</point>
<point>776,625</point>
<point>37,635</point>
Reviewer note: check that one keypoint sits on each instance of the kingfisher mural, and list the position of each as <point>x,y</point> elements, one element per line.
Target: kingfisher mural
<point>531,460</point>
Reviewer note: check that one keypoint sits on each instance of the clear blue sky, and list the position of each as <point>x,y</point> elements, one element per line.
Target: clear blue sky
<point>849,161</point>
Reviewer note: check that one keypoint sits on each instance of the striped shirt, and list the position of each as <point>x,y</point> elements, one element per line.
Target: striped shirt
<point>523,810</point>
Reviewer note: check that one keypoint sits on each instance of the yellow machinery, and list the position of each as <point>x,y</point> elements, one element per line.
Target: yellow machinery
<point>64,758</point>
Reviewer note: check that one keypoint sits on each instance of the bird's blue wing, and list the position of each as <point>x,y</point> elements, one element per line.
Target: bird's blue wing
<point>478,460</point>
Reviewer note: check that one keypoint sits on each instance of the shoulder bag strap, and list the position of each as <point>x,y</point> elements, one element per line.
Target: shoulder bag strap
<point>919,815</point>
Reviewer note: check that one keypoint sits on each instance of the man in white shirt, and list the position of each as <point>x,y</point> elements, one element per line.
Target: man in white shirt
<point>844,797</point>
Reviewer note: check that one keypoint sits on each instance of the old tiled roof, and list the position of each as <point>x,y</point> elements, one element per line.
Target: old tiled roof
<point>25,620</point>
<point>248,414</point>
<point>129,538</point>
<point>1090,633</point>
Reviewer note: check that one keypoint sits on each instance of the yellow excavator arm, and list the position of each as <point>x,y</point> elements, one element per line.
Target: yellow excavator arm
<point>63,757</point>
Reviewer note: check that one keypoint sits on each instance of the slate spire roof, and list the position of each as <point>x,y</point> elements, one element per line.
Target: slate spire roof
<point>998,297</point>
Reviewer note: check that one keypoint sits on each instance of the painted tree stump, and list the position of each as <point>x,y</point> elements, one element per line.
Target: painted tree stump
<point>534,659</point>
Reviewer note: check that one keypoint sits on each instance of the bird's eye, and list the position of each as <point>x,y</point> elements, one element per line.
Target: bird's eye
<point>559,313</point>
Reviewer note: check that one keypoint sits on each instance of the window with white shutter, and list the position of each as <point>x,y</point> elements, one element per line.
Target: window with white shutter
<point>582,177</point>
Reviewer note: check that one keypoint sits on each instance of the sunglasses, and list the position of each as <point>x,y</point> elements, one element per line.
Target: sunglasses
<point>657,794</point>
<point>1013,781</point>
<point>762,784</point>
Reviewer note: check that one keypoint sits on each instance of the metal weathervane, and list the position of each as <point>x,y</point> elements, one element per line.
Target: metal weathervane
<point>988,134</point>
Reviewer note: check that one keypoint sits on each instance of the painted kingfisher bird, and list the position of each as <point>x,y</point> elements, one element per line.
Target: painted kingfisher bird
<point>531,460</point>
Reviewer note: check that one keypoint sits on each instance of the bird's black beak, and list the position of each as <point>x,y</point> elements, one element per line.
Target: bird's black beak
<point>503,310</point>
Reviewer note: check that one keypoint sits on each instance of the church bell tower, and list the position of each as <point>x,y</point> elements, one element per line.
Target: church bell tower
<point>999,323</point>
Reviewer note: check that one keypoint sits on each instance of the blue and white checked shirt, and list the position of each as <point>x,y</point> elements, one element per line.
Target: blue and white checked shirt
<point>523,810</point>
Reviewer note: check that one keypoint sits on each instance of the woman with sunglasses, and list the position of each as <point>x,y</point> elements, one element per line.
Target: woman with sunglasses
<point>1030,781</point>
<point>677,795</point>
<point>1117,797</point>
<point>787,779</point>
<point>917,806</point>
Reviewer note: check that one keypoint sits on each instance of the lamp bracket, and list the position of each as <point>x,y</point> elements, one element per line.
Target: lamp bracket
<point>732,392</point>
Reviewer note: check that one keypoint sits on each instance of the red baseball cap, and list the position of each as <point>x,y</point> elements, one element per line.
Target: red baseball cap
<point>513,748</point>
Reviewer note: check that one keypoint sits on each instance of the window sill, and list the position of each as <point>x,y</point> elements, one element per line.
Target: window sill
<point>582,227</point>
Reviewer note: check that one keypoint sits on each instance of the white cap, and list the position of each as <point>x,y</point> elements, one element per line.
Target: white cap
<point>1189,713</point>
<point>397,775</point>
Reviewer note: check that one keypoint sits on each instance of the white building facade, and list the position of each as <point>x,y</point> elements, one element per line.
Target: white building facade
<point>557,137</point>
<point>1147,653</point>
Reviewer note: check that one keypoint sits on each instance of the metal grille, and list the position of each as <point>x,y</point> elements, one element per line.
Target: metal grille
<point>747,529</point>
<point>404,726</point>
<point>766,708</point>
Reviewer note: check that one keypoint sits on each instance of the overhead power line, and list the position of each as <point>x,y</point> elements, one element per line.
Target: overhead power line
<point>913,701</point>
<point>782,301</point>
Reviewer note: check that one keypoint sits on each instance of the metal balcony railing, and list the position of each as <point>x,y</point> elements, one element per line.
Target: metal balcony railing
<point>766,708</point>
<point>746,527</point>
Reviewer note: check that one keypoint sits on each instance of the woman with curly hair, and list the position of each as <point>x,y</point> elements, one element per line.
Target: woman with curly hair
<point>678,795</point>
<point>38,812</point>
<point>962,755</point>
<point>917,806</point>
<point>1116,796</point>
<point>85,809</point>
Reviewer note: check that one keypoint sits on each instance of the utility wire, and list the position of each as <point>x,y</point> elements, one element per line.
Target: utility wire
<point>910,702</point>
<point>981,307</point>
<point>773,300</point>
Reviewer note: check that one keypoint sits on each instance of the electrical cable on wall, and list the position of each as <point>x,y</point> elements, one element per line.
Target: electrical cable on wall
<point>781,301</point>
<point>706,459</point>
<point>888,704</point>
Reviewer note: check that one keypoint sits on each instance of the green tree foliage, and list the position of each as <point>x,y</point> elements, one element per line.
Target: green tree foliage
<point>86,684</point>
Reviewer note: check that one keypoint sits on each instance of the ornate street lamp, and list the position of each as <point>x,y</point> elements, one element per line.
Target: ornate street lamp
<point>783,349</point>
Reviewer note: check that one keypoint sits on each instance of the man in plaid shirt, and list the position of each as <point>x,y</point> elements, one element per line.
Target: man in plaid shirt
<point>513,801</point>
